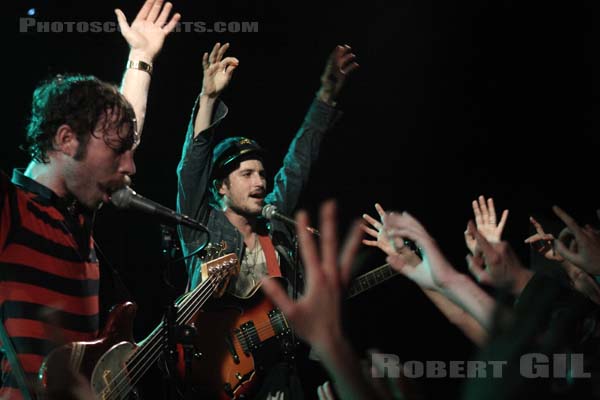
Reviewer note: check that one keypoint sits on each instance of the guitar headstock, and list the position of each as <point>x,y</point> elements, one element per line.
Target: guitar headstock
<point>221,268</point>
<point>213,251</point>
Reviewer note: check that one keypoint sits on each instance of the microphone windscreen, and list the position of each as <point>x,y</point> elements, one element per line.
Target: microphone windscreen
<point>122,197</point>
<point>268,211</point>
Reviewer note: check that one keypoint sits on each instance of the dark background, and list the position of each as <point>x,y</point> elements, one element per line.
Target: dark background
<point>451,101</point>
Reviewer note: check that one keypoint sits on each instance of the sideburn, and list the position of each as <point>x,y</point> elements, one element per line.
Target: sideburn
<point>82,147</point>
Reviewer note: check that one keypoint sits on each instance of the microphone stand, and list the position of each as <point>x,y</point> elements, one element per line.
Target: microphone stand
<point>184,334</point>
<point>169,247</point>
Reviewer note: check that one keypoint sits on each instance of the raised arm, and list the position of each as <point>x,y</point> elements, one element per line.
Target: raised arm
<point>145,36</point>
<point>316,316</point>
<point>321,117</point>
<point>587,238</point>
<point>456,315</point>
<point>217,73</point>
<point>435,272</point>
<point>194,169</point>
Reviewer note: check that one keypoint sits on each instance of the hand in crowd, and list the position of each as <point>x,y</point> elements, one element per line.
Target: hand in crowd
<point>485,220</point>
<point>316,316</point>
<point>374,228</point>
<point>544,243</point>
<point>587,255</point>
<point>434,272</point>
<point>339,66</point>
<point>147,32</point>
<point>497,264</point>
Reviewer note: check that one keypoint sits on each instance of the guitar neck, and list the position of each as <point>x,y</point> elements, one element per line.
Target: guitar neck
<point>372,278</point>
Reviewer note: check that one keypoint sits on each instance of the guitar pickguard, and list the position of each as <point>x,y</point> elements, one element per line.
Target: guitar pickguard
<point>111,364</point>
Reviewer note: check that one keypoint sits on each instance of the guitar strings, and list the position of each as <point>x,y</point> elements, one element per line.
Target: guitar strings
<point>260,329</point>
<point>139,367</point>
<point>116,388</point>
<point>120,386</point>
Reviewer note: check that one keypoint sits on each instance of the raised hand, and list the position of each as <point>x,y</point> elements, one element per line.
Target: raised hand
<point>316,315</point>
<point>217,70</point>
<point>485,219</point>
<point>338,67</point>
<point>587,256</point>
<point>497,265</point>
<point>375,230</point>
<point>434,272</point>
<point>543,242</point>
<point>147,32</point>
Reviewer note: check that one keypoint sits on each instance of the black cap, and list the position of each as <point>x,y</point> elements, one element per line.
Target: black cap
<point>229,151</point>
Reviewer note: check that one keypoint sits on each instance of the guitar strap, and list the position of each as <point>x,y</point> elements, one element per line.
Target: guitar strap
<point>272,265</point>
<point>15,366</point>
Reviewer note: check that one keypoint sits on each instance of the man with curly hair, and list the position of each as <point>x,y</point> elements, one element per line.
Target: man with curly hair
<point>81,136</point>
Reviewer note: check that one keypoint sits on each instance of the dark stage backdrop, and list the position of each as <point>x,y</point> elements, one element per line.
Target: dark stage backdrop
<point>451,101</point>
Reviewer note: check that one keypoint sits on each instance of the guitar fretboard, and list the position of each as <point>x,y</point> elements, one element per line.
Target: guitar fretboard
<point>374,277</point>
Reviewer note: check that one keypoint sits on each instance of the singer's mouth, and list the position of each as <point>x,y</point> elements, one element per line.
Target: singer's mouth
<point>108,189</point>
<point>258,195</point>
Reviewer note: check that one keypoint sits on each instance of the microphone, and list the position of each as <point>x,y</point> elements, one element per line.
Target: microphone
<point>127,198</point>
<point>270,212</point>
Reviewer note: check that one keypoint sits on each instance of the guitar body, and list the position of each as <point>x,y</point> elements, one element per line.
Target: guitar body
<point>237,339</point>
<point>98,361</point>
<point>115,363</point>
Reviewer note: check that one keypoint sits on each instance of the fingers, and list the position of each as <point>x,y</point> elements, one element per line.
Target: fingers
<point>380,211</point>
<point>370,231</point>
<point>278,296</point>
<point>566,236</point>
<point>537,237</point>
<point>345,60</point>
<point>349,250</point>
<point>164,14</point>
<point>502,222</point>
<point>482,242</point>
<point>397,227</point>
<point>568,254</point>
<point>221,52</point>
<point>568,220</point>
<point>491,211</point>
<point>308,247</point>
<point>342,59</point>
<point>371,243</point>
<point>145,10</point>
<point>376,224</point>
<point>205,61</point>
<point>348,70</point>
<point>172,23</point>
<point>228,65</point>
<point>155,10</point>
<point>537,226</point>
<point>485,215</point>
<point>477,213</point>
<point>213,54</point>
<point>122,20</point>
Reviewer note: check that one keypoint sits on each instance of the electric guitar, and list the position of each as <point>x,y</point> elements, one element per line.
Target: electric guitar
<point>115,363</point>
<point>239,339</point>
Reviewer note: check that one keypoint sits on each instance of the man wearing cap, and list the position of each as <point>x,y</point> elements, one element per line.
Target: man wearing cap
<point>224,185</point>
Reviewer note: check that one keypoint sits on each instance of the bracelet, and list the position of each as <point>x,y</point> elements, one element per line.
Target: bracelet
<point>141,65</point>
